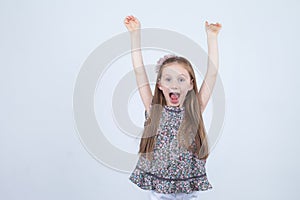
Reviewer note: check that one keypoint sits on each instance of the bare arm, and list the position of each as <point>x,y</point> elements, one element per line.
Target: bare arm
<point>209,81</point>
<point>133,26</point>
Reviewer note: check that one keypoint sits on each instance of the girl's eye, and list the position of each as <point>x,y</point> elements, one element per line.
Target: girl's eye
<point>168,79</point>
<point>181,79</point>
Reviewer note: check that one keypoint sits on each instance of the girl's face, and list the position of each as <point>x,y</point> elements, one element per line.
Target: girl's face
<point>175,83</point>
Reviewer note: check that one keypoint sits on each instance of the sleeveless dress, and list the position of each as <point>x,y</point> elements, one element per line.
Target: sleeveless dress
<point>173,169</point>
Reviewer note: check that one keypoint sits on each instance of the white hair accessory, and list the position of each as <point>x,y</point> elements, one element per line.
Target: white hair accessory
<point>162,60</point>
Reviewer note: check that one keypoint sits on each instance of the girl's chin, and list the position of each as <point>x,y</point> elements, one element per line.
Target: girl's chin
<point>173,103</point>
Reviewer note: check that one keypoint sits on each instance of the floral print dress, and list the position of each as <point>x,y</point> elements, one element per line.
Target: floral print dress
<point>173,169</point>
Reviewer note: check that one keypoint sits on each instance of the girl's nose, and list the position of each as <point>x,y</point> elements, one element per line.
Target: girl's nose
<point>174,86</point>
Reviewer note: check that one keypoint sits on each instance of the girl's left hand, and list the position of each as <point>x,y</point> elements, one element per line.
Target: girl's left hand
<point>212,29</point>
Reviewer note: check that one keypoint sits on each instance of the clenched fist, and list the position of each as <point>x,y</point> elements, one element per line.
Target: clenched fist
<point>132,23</point>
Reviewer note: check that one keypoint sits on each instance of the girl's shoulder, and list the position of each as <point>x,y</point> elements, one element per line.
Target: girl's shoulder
<point>147,114</point>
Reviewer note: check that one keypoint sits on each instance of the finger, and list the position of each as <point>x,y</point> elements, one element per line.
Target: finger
<point>206,24</point>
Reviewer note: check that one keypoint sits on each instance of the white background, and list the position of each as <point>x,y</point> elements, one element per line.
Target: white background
<point>44,43</point>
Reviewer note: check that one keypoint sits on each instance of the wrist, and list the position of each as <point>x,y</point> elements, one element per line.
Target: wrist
<point>135,32</point>
<point>212,37</point>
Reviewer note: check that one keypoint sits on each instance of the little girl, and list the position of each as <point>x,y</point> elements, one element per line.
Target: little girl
<point>174,148</point>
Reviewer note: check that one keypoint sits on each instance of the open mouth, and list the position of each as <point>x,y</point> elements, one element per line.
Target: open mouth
<point>174,95</point>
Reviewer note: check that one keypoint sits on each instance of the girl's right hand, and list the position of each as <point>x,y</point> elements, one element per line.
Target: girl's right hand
<point>132,23</point>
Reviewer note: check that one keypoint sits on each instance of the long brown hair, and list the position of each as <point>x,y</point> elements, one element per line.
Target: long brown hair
<point>192,127</point>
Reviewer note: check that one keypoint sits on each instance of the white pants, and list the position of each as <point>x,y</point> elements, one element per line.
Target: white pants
<point>178,196</point>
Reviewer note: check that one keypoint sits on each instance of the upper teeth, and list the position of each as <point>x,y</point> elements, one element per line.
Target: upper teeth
<point>175,93</point>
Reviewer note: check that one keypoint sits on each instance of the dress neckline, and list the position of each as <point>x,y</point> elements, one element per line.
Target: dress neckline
<point>174,108</point>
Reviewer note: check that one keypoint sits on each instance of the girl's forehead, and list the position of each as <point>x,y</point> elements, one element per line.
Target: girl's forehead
<point>174,69</point>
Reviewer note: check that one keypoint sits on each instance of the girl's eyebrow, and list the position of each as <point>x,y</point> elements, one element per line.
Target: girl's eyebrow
<point>183,75</point>
<point>177,76</point>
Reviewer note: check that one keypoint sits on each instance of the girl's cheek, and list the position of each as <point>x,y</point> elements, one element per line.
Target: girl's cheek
<point>167,85</point>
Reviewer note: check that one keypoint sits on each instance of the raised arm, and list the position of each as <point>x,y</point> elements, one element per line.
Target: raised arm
<point>208,83</point>
<point>133,26</point>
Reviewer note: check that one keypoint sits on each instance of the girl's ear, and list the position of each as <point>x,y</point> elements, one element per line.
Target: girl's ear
<point>191,85</point>
<point>159,86</point>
